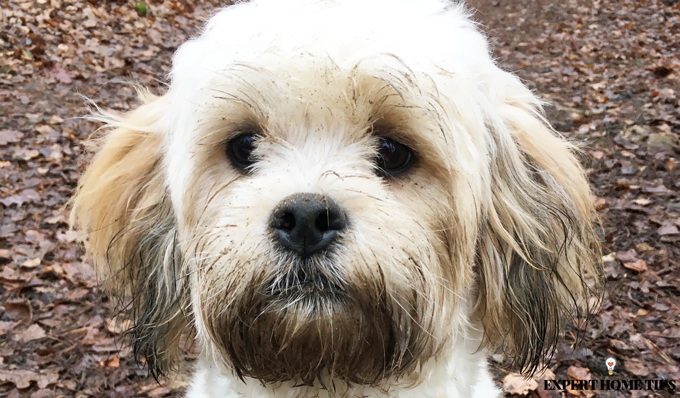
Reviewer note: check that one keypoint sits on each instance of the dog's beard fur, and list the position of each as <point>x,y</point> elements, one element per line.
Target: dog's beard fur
<point>305,334</point>
<point>330,317</point>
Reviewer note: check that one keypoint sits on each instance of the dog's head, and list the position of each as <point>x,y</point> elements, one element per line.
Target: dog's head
<point>339,189</point>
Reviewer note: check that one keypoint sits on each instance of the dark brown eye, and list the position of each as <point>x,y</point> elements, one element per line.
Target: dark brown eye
<point>393,157</point>
<point>240,150</point>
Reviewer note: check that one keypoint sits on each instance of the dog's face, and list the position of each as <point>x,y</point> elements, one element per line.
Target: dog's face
<point>322,202</point>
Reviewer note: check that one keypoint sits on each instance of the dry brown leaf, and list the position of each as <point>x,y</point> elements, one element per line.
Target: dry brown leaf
<point>644,247</point>
<point>515,383</point>
<point>33,332</point>
<point>627,256</point>
<point>668,228</point>
<point>639,265</point>
<point>159,392</point>
<point>6,326</point>
<point>636,367</point>
<point>48,378</point>
<point>18,310</point>
<point>642,201</point>
<point>578,373</point>
<point>113,362</point>
<point>30,263</point>
<point>7,136</point>
<point>20,378</point>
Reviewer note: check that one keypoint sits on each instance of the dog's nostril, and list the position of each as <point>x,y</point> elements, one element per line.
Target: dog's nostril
<point>287,221</point>
<point>307,223</point>
<point>322,222</point>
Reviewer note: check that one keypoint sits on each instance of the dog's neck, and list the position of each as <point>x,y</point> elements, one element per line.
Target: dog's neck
<point>458,372</point>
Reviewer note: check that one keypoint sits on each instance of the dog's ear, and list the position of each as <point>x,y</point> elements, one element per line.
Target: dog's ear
<point>538,256</point>
<point>123,206</point>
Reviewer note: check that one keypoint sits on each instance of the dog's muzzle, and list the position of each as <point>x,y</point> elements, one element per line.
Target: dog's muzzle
<point>307,223</point>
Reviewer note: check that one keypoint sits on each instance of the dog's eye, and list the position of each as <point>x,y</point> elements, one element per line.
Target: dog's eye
<point>240,150</point>
<point>393,157</point>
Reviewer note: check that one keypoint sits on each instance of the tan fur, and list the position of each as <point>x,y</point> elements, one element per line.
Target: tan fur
<point>537,241</point>
<point>122,203</point>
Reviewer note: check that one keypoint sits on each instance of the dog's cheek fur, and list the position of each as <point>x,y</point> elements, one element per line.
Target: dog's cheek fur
<point>123,206</point>
<point>537,244</point>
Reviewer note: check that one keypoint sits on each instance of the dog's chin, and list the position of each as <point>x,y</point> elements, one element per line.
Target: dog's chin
<point>309,328</point>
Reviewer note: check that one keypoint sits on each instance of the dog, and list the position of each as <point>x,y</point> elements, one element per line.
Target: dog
<point>341,198</point>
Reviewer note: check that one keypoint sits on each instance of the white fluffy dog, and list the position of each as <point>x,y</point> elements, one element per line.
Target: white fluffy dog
<point>341,198</point>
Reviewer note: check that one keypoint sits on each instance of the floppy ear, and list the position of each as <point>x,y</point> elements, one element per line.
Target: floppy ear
<point>537,245</point>
<point>122,204</point>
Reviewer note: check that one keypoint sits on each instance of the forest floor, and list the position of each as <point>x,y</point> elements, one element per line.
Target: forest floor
<point>610,70</point>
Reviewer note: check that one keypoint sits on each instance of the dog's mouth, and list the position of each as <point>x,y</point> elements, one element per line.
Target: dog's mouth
<point>306,278</point>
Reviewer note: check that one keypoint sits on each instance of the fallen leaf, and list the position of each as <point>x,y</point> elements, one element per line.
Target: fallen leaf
<point>639,265</point>
<point>642,201</point>
<point>48,378</point>
<point>91,19</point>
<point>33,332</point>
<point>515,383</point>
<point>20,378</point>
<point>644,247</point>
<point>60,74</point>
<point>27,195</point>
<point>627,256</point>
<point>636,367</point>
<point>609,257</point>
<point>578,373</point>
<point>31,154</point>
<point>113,362</point>
<point>668,228</point>
<point>6,326</point>
<point>159,392</point>
<point>30,263</point>
<point>18,310</point>
<point>78,270</point>
<point>7,136</point>
<point>44,129</point>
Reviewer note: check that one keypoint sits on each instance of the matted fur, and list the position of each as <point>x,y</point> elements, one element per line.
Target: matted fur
<point>488,234</point>
<point>122,201</point>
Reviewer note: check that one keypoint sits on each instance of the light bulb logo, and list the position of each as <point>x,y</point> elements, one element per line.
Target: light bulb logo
<point>610,362</point>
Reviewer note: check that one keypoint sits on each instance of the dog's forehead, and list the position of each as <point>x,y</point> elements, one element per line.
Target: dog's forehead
<point>269,33</point>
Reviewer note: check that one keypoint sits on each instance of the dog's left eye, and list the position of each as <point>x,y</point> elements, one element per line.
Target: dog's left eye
<point>393,157</point>
<point>240,150</point>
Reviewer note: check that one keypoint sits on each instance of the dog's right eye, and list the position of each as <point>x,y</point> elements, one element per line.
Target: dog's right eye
<point>240,150</point>
<point>393,157</point>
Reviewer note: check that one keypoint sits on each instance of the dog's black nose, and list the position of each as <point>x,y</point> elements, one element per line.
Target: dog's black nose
<point>307,222</point>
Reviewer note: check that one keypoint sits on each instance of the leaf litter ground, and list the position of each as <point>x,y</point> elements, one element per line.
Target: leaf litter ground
<point>610,71</point>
